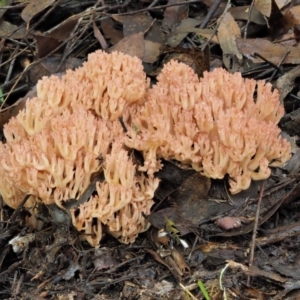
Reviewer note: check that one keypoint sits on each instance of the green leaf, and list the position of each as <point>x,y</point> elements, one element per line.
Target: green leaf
<point>1,96</point>
<point>203,290</point>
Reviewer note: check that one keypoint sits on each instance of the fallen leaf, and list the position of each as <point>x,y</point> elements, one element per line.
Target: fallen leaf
<point>282,3</point>
<point>49,67</point>
<point>155,34</point>
<point>286,82</point>
<point>51,39</point>
<point>292,16</point>
<point>228,32</point>
<point>45,45</point>
<point>133,45</point>
<point>34,7</point>
<point>12,31</point>
<point>264,6</point>
<point>136,23</point>
<point>242,13</point>
<point>205,33</point>
<point>110,31</point>
<point>273,52</point>
<point>173,15</point>
<point>177,36</point>
<point>62,31</point>
<point>152,51</point>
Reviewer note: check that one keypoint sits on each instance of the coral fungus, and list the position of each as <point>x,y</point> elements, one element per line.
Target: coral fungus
<point>52,146</point>
<point>215,124</point>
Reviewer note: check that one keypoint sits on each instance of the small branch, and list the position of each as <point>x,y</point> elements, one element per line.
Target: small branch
<point>252,250</point>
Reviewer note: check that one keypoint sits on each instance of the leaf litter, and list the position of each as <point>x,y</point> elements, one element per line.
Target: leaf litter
<point>199,232</point>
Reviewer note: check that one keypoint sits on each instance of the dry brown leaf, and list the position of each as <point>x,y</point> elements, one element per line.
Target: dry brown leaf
<point>11,30</point>
<point>155,34</point>
<point>205,33</point>
<point>136,23</point>
<point>152,51</point>
<point>282,3</point>
<point>233,64</point>
<point>34,7</point>
<point>109,29</point>
<point>133,45</point>
<point>292,16</point>
<point>228,32</point>
<point>45,45</point>
<point>273,52</point>
<point>264,6</point>
<point>176,37</point>
<point>48,66</point>
<point>173,15</point>
<point>286,83</point>
<point>63,30</point>
<point>51,39</point>
<point>242,13</point>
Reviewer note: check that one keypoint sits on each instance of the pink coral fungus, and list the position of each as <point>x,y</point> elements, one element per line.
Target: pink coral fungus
<point>215,124</point>
<point>119,200</point>
<point>56,163</point>
<point>52,146</point>
<point>106,83</point>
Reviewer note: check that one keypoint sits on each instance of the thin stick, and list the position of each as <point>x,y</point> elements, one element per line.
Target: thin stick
<point>252,249</point>
<point>218,24</point>
<point>210,13</point>
<point>249,19</point>
<point>156,7</point>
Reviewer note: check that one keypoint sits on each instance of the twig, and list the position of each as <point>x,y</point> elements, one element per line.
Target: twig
<point>42,18</point>
<point>252,249</point>
<point>12,63</point>
<point>187,291</point>
<point>218,24</point>
<point>157,7</point>
<point>267,61</point>
<point>210,13</point>
<point>249,19</point>
<point>279,64</point>
<point>154,2</point>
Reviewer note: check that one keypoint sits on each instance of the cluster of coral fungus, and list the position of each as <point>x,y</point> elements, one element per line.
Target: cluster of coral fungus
<point>214,124</point>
